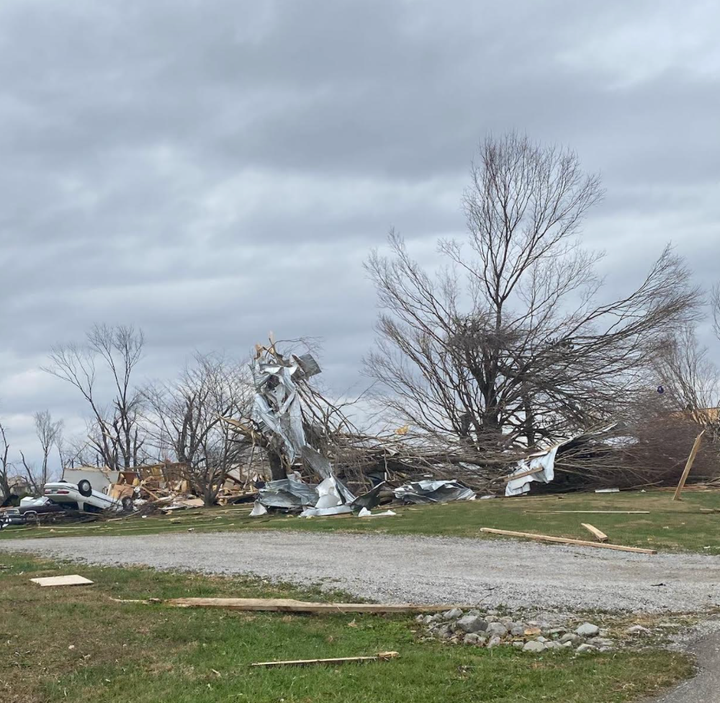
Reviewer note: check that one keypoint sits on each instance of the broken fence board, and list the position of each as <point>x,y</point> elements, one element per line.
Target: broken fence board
<point>380,656</point>
<point>598,534</point>
<point>565,540</point>
<point>288,605</point>
<point>72,580</point>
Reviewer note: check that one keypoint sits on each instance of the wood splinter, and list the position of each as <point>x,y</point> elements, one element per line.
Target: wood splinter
<point>380,656</point>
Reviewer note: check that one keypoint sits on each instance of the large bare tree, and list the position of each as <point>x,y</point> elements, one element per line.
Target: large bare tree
<point>514,339</point>
<point>102,370</point>
<point>187,413</point>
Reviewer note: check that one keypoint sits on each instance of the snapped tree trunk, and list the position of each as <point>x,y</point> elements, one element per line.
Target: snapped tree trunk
<point>277,470</point>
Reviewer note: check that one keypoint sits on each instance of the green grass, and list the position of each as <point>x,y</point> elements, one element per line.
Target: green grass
<point>76,644</point>
<point>670,526</point>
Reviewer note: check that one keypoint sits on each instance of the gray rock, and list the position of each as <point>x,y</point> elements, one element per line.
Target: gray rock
<point>556,631</point>
<point>475,613</point>
<point>603,642</point>
<point>474,638</point>
<point>496,629</point>
<point>554,644</point>
<point>637,631</point>
<point>587,630</point>
<point>566,645</point>
<point>586,649</point>
<point>541,639</point>
<point>452,614</point>
<point>534,647</point>
<point>571,638</point>
<point>444,631</point>
<point>471,623</point>
<point>517,630</point>
<point>518,645</point>
<point>420,619</point>
<point>494,641</point>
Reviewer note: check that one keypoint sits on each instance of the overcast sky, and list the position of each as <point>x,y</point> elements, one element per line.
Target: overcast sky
<point>211,170</point>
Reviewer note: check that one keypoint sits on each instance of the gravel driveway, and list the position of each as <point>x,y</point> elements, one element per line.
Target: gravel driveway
<point>421,569</point>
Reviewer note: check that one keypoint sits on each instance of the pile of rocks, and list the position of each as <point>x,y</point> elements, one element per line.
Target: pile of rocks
<point>492,629</point>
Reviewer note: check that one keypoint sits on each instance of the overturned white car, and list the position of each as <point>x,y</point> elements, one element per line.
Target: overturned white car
<point>82,497</point>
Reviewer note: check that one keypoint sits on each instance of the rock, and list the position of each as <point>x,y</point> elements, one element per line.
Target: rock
<point>517,629</point>
<point>571,638</point>
<point>429,619</point>
<point>533,646</point>
<point>496,629</point>
<point>585,649</point>
<point>452,614</point>
<point>420,619</point>
<point>566,645</point>
<point>444,631</point>
<point>471,623</point>
<point>603,642</point>
<point>587,630</point>
<point>518,645</point>
<point>474,638</point>
<point>475,613</point>
<point>556,631</point>
<point>637,631</point>
<point>494,641</point>
<point>554,644</point>
<point>541,639</point>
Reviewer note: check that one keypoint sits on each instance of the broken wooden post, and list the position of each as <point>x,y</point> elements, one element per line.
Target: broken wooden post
<point>599,535</point>
<point>688,466</point>
<point>567,540</point>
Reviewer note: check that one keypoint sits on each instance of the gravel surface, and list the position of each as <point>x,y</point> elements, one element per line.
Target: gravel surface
<point>421,569</point>
<point>704,644</point>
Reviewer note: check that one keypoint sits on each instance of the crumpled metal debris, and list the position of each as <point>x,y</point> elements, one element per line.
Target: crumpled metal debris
<point>288,493</point>
<point>276,406</point>
<point>428,491</point>
<point>544,466</point>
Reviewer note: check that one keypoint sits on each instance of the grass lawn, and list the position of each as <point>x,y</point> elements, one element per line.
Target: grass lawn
<point>74,644</point>
<point>669,526</point>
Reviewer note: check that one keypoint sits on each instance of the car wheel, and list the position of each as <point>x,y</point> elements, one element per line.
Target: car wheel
<point>127,504</point>
<point>84,488</point>
<point>30,516</point>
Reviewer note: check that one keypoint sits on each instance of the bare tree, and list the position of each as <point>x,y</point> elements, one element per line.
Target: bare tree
<point>48,433</point>
<point>688,379</point>
<point>5,465</point>
<point>186,415</point>
<point>511,341</point>
<point>115,428</point>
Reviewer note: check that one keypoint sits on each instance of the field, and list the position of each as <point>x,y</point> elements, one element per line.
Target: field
<point>669,525</point>
<point>77,644</point>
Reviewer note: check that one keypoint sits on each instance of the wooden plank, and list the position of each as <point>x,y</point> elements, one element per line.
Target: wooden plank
<point>529,472</point>
<point>598,534</point>
<point>565,540</point>
<point>380,656</point>
<point>688,465</point>
<point>72,580</point>
<point>288,605</point>
<point>593,512</point>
